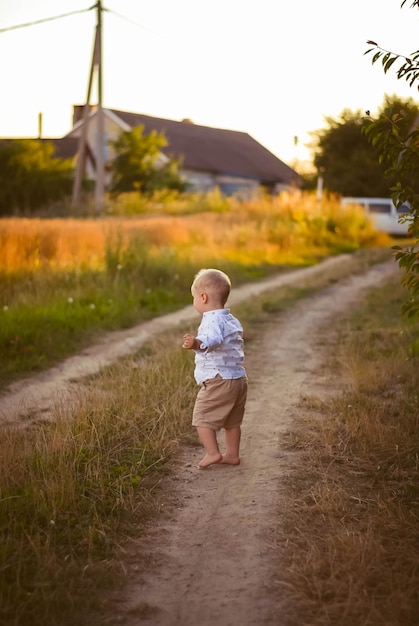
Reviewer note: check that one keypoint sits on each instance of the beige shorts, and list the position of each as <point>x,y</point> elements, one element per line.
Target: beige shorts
<point>220,403</point>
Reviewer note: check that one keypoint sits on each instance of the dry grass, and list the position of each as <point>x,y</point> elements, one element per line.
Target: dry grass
<point>347,541</point>
<point>287,228</point>
<point>74,490</point>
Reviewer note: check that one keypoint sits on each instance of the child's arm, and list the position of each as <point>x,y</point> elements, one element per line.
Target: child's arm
<point>191,343</point>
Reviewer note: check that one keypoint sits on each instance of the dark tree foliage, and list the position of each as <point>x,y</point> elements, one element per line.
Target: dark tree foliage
<point>395,134</point>
<point>347,161</point>
<point>31,177</point>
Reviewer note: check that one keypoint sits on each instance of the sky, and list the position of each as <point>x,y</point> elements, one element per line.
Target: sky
<point>275,69</point>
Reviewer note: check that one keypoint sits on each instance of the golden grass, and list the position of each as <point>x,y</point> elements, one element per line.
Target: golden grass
<point>287,228</point>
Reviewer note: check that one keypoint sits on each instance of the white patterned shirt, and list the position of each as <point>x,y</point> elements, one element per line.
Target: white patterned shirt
<point>221,336</point>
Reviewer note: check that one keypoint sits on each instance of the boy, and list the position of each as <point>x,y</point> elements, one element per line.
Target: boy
<point>219,369</point>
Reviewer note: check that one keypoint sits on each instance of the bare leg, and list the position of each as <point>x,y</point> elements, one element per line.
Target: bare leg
<point>208,439</point>
<point>231,457</point>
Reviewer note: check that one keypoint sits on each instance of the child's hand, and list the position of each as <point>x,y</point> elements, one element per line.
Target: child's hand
<point>188,342</point>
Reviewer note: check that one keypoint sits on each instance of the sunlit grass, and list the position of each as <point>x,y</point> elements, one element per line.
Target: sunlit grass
<point>287,223</point>
<point>64,281</point>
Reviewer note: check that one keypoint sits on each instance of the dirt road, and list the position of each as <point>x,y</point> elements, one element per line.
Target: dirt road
<point>211,561</point>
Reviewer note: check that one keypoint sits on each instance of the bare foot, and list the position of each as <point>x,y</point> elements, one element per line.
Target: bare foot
<point>209,459</point>
<point>230,460</point>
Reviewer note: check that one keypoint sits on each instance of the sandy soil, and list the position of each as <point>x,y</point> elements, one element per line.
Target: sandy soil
<point>209,558</point>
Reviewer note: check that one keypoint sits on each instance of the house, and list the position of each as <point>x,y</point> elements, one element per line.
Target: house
<point>210,157</point>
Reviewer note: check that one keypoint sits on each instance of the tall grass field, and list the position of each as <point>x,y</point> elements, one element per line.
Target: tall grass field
<point>65,281</point>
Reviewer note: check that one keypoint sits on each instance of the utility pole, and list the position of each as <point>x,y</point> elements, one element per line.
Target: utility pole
<point>99,161</point>
<point>100,138</point>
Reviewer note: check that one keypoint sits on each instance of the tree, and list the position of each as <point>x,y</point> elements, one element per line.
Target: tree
<point>396,138</point>
<point>346,159</point>
<point>30,176</point>
<point>137,167</point>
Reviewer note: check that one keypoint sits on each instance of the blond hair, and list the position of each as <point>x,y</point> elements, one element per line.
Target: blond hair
<point>213,280</point>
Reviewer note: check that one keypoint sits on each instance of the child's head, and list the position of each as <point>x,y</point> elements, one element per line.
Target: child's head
<point>214,283</point>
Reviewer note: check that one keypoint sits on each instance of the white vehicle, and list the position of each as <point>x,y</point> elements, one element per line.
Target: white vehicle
<point>384,214</point>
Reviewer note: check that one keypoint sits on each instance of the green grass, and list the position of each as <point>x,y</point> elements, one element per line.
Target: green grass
<point>55,314</point>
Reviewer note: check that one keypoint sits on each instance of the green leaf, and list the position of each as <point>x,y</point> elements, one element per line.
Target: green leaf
<point>389,63</point>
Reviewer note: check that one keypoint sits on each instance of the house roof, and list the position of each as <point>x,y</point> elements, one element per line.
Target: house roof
<point>200,148</point>
<point>216,150</point>
<point>65,147</point>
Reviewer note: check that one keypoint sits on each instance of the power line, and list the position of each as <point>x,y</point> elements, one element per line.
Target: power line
<point>47,19</point>
<point>57,17</point>
<point>126,19</point>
